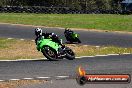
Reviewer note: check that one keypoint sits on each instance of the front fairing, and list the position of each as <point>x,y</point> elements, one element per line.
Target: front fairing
<point>75,35</point>
<point>47,42</point>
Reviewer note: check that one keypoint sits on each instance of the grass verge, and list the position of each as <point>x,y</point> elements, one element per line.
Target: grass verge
<point>18,49</point>
<point>103,50</point>
<point>15,84</point>
<point>110,22</point>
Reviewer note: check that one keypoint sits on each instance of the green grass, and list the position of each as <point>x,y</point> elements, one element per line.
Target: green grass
<point>93,51</point>
<point>5,43</point>
<point>16,49</point>
<point>89,21</point>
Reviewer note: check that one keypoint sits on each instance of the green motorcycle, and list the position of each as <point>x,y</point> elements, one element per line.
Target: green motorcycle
<point>53,51</point>
<point>71,37</point>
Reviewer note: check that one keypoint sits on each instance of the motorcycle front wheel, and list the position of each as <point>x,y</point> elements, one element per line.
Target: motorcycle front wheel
<point>49,53</point>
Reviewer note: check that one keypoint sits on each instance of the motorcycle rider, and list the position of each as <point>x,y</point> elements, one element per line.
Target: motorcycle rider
<point>56,39</point>
<point>71,36</point>
<point>39,34</point>
<point>68,31</point>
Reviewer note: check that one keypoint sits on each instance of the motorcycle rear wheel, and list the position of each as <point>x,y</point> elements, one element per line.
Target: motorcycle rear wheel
<point>70,55</point>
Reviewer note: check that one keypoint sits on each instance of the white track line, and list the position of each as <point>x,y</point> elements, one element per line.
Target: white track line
<point>31,59</point>
<point>23,60</point>
<point>22,39</point>
<point>97,46</point>
<point>105,55</point>
<point>2,80</point>
<point>14,79</point>
<point>27,78</point>
<point>43,77</point>
<point>62,76</point>
<point>9,38</point>
<point>100,55</point>
<point>113,54</point>
<point>76,57</point>
<point>85,45</point>
<point>84,56</point>
<point>8,60</point>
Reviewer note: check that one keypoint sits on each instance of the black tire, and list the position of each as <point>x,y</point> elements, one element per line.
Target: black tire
<point>47,51</point>
<point>70,55</point>
<point>71,42</point>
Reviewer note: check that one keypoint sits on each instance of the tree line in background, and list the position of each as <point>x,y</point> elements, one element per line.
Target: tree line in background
<point>78,4</point>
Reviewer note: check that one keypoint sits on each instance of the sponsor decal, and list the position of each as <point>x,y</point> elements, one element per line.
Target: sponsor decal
<point>83,78</point>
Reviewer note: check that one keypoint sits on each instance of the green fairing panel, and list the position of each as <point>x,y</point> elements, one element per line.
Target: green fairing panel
<point>48,42</point>
<point>75,35</point>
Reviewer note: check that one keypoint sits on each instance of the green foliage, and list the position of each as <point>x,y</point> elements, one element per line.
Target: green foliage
<point>78,4</point>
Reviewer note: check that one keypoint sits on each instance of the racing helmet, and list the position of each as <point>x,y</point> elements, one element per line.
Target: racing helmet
<point>38,31</point>
<point>69,29</point>
<point>53,35</point>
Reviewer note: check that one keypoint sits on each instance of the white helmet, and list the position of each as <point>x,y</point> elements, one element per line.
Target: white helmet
<point>52,34</point>
<point>38,31</point>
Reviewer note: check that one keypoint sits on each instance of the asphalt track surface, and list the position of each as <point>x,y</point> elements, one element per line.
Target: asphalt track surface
<point>103,65</point>
<point>87,37</point>
<point>30,69</point>
<point>40,68</point>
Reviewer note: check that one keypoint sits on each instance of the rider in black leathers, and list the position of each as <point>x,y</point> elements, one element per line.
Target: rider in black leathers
<point>39,34</point>
<point>68,31</point>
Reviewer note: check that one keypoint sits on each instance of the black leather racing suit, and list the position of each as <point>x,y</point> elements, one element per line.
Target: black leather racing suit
<point>48,35</point>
